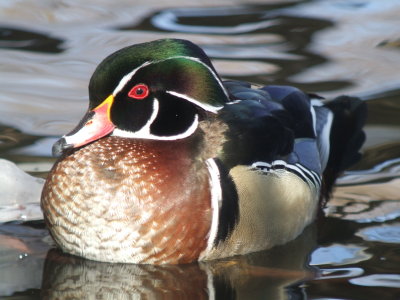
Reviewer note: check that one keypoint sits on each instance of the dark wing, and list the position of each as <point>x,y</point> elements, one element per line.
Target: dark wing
<point>267,124</point>
<point>282,123</point>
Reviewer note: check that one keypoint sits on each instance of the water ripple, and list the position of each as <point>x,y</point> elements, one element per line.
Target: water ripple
<point>332,273</point>
<point>220,20</point>
<point>383,233</point>
<point>339,255</point>
<point>383,280</point>
<point>13,38</point>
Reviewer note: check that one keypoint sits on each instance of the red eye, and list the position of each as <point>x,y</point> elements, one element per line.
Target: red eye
<point>139,91</point>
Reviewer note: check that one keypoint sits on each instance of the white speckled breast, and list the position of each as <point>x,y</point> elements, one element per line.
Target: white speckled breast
<point>125,200</point>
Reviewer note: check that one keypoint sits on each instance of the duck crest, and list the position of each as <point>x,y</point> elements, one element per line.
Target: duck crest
<point>164,192</point>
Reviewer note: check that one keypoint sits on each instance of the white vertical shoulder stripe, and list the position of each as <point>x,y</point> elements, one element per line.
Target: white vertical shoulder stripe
<point>324,140</point>
<point>216,203</point>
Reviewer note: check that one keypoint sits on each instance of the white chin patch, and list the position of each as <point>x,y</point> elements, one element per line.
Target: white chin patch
<point>144,132</point>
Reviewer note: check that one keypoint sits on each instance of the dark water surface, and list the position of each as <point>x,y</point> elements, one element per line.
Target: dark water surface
<point>49,50</point>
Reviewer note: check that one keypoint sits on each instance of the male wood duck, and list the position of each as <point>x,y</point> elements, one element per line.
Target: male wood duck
<point>170,164</point>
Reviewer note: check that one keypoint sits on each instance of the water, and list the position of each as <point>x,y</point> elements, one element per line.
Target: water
<point>49,50</point>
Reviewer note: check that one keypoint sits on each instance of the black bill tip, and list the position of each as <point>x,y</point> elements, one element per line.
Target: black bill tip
<point>60,146</point>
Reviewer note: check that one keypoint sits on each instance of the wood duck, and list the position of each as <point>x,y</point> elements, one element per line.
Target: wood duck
<point>170,164</point>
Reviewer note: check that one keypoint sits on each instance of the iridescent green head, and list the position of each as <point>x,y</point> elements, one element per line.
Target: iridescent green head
<point>160,88</point>
<point>156,90</point>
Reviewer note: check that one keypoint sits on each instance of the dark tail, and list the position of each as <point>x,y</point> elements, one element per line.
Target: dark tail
<point>346,138</point>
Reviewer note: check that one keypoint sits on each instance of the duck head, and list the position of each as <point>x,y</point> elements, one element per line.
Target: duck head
<point>158,90</point>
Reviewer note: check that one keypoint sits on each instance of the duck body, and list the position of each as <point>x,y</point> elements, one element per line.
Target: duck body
<point>172,165</point>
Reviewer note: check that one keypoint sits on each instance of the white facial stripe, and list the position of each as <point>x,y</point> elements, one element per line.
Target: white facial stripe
<point>129,76</point>
<point>210,108</point>
<point>144,132</point>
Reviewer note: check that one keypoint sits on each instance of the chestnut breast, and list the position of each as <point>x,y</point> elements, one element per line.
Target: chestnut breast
<point>127,200</point>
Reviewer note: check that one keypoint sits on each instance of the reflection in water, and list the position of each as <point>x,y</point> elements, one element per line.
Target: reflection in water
<point>383,233</point>
<point>385,106</point>
<point>22,254</point>
<point>340,273</point>
<point>11,138</point>
<point>68,277</point>
<point>371,192</point>
<point>339,255</point>
<point>12,38</point>
<point>263,275</point>
<point>220,20</point>
<point>212,20</point>
<point>287,45</point>
<point>384,280</point>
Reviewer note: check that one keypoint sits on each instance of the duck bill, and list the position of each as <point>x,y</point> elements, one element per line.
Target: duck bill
<point>94,125</point>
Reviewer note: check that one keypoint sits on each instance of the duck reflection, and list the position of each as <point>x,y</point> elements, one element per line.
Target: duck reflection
<point>273,274</point>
